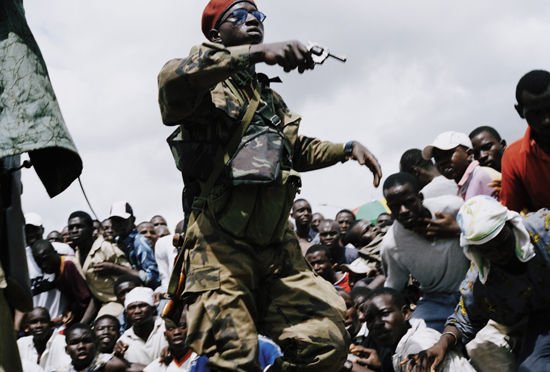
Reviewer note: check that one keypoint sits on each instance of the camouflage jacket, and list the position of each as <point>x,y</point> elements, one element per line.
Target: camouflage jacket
<point>193,93</point>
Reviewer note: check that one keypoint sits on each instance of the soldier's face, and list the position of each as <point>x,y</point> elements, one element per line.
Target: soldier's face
<point>251,31</point>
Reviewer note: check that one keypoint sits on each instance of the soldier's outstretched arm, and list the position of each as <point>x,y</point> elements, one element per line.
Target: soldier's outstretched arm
<point>184,82</point>
<point>312,153</point>
<point>290,55</point>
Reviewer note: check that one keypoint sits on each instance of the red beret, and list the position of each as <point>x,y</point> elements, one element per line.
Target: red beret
<point>213,12</point>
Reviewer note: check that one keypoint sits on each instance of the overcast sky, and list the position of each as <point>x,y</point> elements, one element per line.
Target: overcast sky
<point>415,69</point>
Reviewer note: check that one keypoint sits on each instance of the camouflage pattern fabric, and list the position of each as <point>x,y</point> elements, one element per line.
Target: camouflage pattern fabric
<point>244,268</point>
<point>241,291</point>
<point>30,118</point>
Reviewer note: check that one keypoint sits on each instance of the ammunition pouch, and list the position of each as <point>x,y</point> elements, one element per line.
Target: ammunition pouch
<point>256,213</point>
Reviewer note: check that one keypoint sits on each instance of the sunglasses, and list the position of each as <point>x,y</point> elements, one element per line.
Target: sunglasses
<point>239,16</point>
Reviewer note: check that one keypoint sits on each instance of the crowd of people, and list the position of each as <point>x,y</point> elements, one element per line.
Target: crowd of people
<point>451,277</point>
<point>454,278</point>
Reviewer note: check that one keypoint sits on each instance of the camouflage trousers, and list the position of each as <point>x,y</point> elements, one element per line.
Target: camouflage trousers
<point>241,290</point>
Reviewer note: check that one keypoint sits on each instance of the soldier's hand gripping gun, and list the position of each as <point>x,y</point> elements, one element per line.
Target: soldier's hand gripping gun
<point>319,53</point>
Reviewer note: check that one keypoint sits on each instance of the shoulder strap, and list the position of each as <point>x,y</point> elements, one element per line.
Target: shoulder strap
<point>222,155</point>
<point>177,278</point>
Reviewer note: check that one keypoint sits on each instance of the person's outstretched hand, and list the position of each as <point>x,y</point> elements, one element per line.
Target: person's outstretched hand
<point>426,360</point>
<point>290,55</point>
<point>363,156</point>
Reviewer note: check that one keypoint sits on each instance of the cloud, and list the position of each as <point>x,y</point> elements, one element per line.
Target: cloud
<point>414,69</point>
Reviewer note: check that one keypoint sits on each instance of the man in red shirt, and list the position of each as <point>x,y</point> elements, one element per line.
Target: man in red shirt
<point>526,162</point>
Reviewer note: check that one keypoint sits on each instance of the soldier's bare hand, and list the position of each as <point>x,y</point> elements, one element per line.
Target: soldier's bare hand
<point>290,55</point>
<point>363,156</point>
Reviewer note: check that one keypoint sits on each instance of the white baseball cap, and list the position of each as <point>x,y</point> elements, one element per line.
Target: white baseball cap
<point>33,219</point>
<point>447,141</point>
<point>121,209</point>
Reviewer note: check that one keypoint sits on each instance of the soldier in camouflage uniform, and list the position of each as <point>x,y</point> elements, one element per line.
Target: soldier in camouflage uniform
<point>239,151</point>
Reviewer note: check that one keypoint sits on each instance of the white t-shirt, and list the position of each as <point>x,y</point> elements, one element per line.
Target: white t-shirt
<point>439,186</point>
<point>51,299</point>
<point>144,352</point>
<point>419,337</point>
<point>53,357</point>
<point>174,366</point>
<point>165,254</point>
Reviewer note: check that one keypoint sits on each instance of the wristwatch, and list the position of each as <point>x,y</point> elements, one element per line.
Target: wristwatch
<point>348,149</point>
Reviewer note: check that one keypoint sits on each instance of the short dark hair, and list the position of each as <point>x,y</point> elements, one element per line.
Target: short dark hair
<point>360,291</point>
<point>76,326</point>
<point>397,297</point>
<point>348,236</point>
<point>535,82</point>
<point>40,308</point>
<point>42,244</point>
<point>401,178</point>
<point>128,278</point>
<point>319,248</point>
<point>345,211</point>
<point>85,217</point>
<point>107,316</point>
<point>485,128</point>
<point>299,200</point>
<point>413,158</point>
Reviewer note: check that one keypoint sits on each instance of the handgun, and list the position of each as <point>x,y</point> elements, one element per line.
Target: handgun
<point>319,53</point>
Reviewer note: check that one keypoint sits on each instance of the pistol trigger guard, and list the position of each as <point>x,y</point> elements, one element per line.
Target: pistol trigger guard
<point>319,54</point>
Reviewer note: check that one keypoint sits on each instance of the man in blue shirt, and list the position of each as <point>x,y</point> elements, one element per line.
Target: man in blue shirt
<point>137,248</point>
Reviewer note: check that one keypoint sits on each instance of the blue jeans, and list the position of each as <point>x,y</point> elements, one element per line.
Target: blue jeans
<point>435,308</point>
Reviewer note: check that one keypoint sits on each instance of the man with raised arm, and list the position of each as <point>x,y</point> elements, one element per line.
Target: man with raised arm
<point>239,151</point>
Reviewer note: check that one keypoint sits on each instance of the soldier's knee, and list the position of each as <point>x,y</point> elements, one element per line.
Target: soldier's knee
<point>319,354</point>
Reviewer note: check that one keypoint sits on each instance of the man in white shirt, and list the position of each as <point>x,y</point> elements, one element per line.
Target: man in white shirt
<point>43,289</point>
<point>45,346</point>
<point>143,342</point>
<point>390,326</point>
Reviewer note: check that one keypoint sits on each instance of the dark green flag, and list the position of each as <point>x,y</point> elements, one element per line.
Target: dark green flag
<point>30,118</point>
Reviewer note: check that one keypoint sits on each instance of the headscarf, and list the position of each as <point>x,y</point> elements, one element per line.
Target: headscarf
<point>481,219</point>
<point>139,294</point>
